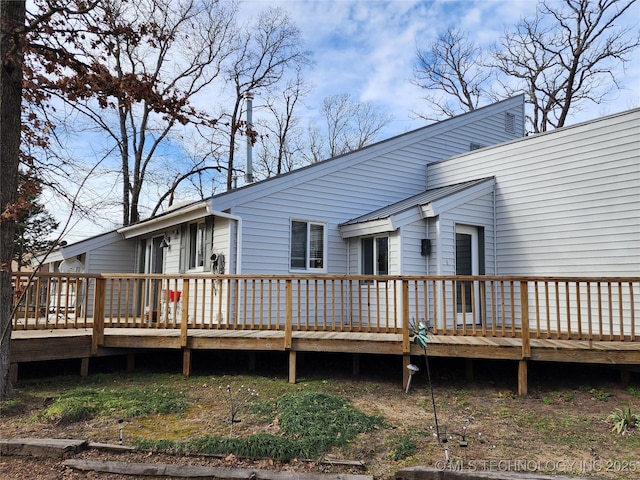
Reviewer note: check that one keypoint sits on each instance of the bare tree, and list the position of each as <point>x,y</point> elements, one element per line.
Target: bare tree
<point>565,57</point>
<point>453,75</point>
<point>133,69</point>
<point>266,50</point>
<point>350,125</point>
<point>280,129</point>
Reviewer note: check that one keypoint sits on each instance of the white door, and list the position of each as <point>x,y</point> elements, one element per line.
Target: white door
<point>467,263</point>
<point>153,263</point>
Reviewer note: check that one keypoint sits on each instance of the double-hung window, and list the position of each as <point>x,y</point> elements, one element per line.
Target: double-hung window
<point>375,256</point>
<point>307,246</point>
<point>196,245</point>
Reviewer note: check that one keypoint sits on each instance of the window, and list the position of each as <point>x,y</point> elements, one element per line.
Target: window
<point>375,256</point>
<point>307,245</point>
<point>196,245</point>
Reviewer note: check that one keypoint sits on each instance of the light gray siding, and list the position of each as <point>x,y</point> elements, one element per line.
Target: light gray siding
<point>476,213</point>
<point>567,202</point>
<point>114,257</point>
<point>339,189</point>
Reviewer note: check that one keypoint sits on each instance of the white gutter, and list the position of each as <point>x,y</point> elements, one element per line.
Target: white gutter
<point>237,219</point>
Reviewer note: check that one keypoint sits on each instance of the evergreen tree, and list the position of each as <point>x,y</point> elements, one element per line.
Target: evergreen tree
<point>34,225</point>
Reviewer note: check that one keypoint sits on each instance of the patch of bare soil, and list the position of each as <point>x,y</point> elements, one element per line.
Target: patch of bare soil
<point>560,428</point>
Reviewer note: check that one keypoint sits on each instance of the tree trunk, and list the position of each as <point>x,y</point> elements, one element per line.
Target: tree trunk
<point>12,18</point>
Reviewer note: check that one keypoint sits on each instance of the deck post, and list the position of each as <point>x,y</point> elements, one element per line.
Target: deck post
<point>84,367</point>
<point>522,378</point>
<point>186,362</point>
<point>99,301</point>
<point>468,369</point>
<point>292,366</point>
<point>13,373</point>
<point>526,340</point>
<point>131,362</point>
<point>524,319</point>
<point>184,320</point>
<point>406,344</point>
<point>288,314</point>
<point>625,377</point>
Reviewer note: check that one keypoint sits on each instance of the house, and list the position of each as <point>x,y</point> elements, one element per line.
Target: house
<point>513,247</point>
<point>470,195</point>
<point>299,222</point>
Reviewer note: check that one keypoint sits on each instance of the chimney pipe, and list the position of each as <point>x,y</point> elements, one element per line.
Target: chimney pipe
<point>248,177</point>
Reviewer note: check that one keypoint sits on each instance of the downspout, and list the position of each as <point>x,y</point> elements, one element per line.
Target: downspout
<point>238,220</point>
<point>426,257</point>
<point>348,255</point>
<point>495,232</point>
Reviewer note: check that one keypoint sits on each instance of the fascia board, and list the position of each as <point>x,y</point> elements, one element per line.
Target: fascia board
<point>165,221</point>
<point>372,227</point>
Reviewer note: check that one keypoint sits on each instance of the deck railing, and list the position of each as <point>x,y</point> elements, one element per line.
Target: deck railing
<point>534,307</point>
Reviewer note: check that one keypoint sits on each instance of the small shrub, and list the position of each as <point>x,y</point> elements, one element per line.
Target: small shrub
<point>601,395</point>
<point>624,419</point>
<point>634,392</point>
<point>401,447</point>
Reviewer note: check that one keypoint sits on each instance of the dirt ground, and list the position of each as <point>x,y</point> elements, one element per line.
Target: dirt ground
<point>560,428</point>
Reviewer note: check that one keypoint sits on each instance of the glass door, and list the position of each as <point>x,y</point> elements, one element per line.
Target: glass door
<point>467,292</point>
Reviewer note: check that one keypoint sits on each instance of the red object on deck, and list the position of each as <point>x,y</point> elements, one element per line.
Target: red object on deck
<point>174,296</point>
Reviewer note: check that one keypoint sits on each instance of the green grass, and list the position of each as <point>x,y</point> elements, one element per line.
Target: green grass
<point>634,391</point>
<point>83,403</point>
<point>311,423</point>
<point>400,447</point>
<point>601,395</point>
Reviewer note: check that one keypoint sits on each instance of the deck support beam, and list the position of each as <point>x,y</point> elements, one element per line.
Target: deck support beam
<point>84,367</point>
<point>625,377</point>
<point>13,373</point>
<point>468,369</point>
<point>522,378</point>
<point>186,362</point>
<point>292,366</point>
<point>131,362</point>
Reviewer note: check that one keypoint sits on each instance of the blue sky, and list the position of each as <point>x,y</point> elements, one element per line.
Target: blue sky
<point>367,48</point>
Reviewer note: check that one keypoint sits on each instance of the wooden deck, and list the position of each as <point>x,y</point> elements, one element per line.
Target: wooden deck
<point>591,321</point>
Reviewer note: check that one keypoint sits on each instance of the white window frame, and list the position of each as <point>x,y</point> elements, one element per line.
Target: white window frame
<point>308,260</point>
<point>374,239</point>
<point>195,246</point>
<point>376,265</point>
